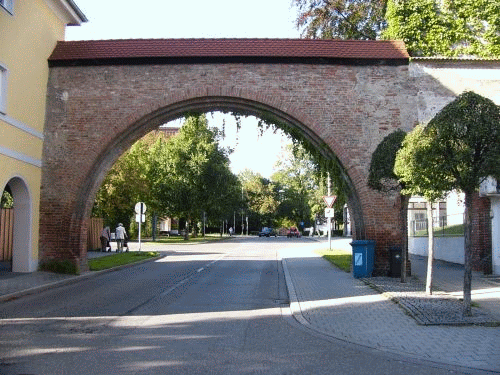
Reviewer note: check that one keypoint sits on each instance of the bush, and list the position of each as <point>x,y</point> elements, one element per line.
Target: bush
<point>59,266</point>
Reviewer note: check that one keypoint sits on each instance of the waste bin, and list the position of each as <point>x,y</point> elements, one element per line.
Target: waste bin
<point>395,262</point>
<point>362,258</point>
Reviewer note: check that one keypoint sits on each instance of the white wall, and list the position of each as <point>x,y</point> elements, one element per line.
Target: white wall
<point>495,233</point>
<point>449,249</point>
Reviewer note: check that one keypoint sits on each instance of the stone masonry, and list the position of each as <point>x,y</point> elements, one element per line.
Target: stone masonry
<point>98,109</point>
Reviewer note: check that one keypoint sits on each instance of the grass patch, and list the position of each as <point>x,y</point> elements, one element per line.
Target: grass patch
<point>115,260</point>
<point>339,258</point>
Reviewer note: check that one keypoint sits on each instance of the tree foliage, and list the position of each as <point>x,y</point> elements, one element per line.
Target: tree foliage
<point>6,200</point>
<point>445,27</point>
<point>126,183</point>
<point>341,19</point>
<point>192,174</point>
<point>428,27</point>
<point>261,199</point>
<point>381,176</point>
<point>297,180</point>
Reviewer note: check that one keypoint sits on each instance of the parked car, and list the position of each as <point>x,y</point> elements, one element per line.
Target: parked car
<point>267,232</point>
<point>293,232</point>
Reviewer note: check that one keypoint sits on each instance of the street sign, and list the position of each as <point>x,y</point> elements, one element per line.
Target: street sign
<point>329,212</point>
<point>330,200</point>
<point>140,208</point>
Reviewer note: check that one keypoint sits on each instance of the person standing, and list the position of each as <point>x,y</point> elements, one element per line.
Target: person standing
<point>105,238</point>
<point>120,235</point>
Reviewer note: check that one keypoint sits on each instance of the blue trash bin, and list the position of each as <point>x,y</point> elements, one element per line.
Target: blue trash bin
<point>363,253</point>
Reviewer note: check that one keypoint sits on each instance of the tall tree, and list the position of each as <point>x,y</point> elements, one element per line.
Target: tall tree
<point>460,148</point>
<point>261,198</point>
<point>296,179</point>
<point>382,178</point>
<point>341,19</point>
<point>445,27</point>
<point>191,174</point>
<point>414,153</point>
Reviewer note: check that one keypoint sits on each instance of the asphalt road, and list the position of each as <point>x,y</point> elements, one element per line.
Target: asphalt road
<point>203,309</point>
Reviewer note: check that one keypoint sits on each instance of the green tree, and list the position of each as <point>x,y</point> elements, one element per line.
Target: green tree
<point>191,174</point>
<point>382,178</point>
<point>261,198</point>
<point>415,152</point>
<point>341,19</point>
<point>445,27</point>
<point>126,183</point>
<point>458,149</point>
<point>295,181</point>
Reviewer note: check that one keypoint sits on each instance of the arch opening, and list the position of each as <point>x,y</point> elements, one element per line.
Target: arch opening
<point>15,237</point>
<point>270,115</point>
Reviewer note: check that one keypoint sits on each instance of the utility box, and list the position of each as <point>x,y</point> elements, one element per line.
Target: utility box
<point>363,254</point>
<point>395,262</point>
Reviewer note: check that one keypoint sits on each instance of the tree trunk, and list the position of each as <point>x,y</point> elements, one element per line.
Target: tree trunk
<point>430,252</point>
<point>467,254</point>
<point>403,211</point>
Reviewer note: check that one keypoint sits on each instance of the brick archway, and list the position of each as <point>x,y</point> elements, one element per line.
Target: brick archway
<point>97,108</point>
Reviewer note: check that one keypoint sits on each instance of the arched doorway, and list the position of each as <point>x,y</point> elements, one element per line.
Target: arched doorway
<point>16,228</point>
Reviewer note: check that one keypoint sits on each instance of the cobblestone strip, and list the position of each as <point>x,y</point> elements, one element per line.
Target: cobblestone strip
<point>437,309</point>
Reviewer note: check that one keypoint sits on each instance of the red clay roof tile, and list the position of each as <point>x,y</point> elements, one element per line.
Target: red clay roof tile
<point>220,48</point>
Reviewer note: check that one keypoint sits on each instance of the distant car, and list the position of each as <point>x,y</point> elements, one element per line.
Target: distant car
<point>293,232</point>
<point>267,232</point>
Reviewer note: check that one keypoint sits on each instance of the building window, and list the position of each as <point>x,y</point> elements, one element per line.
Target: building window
<point>3,89</point>
<point>8,5</point>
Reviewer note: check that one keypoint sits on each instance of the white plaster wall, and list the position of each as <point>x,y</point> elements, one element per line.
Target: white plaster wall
<point>449,249</point>
<point>495,233</point>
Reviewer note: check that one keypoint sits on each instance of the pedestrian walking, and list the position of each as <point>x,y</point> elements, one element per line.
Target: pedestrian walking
<point>120,236</point>
<point>105,239</point>
<point>230,231</point>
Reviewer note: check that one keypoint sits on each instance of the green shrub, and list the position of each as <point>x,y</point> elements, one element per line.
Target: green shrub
<point>59,266</point>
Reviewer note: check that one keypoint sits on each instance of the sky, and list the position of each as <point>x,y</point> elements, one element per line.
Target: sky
<point>111,19</point>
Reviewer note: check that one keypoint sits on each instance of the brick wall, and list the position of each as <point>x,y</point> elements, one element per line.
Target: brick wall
<point>481,235</point>
<point>95,113</point>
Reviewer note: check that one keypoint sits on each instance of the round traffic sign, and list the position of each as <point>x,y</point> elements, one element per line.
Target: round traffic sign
<point>140,208</point>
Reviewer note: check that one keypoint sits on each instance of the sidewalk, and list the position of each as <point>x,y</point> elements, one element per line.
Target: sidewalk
<point>13,285</point>
<point>334,303</point>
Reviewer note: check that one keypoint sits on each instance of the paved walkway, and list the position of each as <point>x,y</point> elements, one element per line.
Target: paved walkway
<point>333,303</point>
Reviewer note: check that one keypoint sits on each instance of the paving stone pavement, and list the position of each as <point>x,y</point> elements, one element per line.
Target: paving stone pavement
<point>334,303</point>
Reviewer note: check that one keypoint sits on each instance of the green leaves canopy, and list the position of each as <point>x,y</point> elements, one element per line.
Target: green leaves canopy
<point>341,19</point>
<point>428,27</point>
<point>458,149</point>
<point>381,176</point>
<point>192,173</point>
<point>445,28</point>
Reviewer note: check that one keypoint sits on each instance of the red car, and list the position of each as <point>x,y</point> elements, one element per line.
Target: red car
<point>293,232</point>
